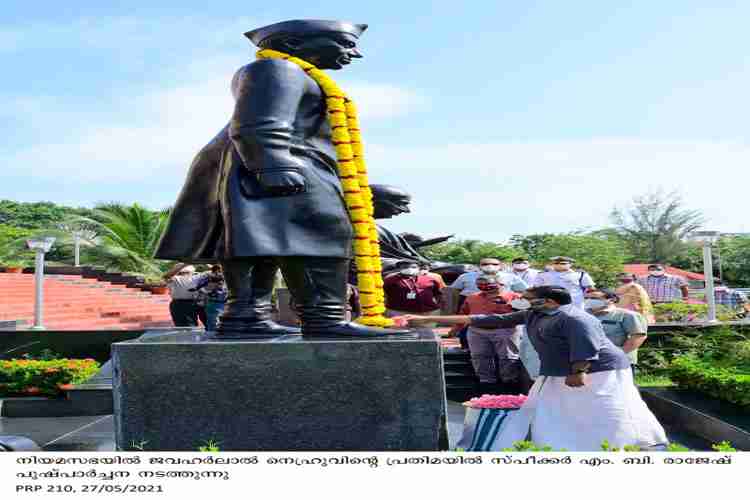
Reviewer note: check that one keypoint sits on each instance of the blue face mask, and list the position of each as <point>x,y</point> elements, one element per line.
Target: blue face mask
<point>537,305</point>
<point>549,312</point>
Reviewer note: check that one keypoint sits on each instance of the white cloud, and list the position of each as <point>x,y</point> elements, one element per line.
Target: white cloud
<point>492,191</point>
<point>376,101</point>
<point>160,131</point>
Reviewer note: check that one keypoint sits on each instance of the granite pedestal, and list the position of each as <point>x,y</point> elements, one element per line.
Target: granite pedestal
<point>178,391</point>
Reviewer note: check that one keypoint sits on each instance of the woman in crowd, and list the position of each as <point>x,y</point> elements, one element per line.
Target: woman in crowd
<point>634,297</point>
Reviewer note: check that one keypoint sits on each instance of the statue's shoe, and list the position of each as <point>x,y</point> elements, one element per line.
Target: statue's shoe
<point>251,330</point>
<point>350,329</point>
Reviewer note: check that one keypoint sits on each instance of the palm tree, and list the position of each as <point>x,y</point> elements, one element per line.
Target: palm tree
<point>116,236</point>
<point>125,236</point>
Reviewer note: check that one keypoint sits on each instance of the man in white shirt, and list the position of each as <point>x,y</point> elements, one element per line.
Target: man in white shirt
<point>182,280</point>
<point>577,283</point>
<point>466,283</point>
<point>522,269</point>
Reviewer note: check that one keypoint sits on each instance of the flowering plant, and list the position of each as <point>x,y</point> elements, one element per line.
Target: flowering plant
<point>502,401</point>
<point>43,377</point>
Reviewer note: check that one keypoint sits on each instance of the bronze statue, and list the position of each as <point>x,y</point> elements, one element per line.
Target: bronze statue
<point>389,202</point>
<point>264,194</point>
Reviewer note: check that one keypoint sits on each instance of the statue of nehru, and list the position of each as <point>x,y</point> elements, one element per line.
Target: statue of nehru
<point>264,194</point>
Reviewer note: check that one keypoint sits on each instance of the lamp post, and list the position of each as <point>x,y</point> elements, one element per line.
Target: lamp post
<point>41,246</point>
<point>77,246</point>
<point>708,238</point>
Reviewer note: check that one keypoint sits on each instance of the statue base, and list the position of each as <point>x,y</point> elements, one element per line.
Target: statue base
<point>177,391</point>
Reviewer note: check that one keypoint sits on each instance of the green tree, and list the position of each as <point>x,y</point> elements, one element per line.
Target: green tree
<point>600,256</point>
<point>41,215</point>
<point>468,251</point>
<point>530,244</point>
<point>735,260</point>
<point>10,233</point>
<point>126,237</point>
<point>731,254</point>
<point>655,226</point>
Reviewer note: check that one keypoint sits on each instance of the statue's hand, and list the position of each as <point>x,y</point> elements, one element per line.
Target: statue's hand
<point>282,182</point>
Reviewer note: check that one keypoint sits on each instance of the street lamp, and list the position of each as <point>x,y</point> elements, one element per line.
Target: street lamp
<point>41,246</point>
<point>708,238</point>
<point>77,244</point>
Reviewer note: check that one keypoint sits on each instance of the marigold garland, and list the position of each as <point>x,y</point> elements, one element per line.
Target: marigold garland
<point>352,171</point>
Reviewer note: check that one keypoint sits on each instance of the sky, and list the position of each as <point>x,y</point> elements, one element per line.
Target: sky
<point>499,117</point>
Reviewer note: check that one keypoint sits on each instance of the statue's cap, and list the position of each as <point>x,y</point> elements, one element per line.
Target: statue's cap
<point>304,27</point>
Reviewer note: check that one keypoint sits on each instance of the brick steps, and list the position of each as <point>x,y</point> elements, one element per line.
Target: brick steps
<point>76,303</point>
<point>84,301</point>
<point>87,311</point>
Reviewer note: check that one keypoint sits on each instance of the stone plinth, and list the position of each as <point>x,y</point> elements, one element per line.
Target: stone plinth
<point>177,391</point>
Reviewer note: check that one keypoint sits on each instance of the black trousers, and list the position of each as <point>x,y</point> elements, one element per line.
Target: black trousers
<point>184,312</point>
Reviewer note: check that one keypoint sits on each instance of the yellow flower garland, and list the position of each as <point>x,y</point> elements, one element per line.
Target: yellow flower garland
<point>346,137</point>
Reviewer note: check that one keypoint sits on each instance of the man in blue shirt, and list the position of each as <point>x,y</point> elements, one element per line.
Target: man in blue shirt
<point>585,392</point>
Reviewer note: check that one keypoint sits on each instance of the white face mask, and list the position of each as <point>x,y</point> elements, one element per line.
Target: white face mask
<point>410,271</point>
<point>490,268</point>
<point>520,304</point>
<point>656,273</point>
<point>520,267</point>
<point>595,304</point>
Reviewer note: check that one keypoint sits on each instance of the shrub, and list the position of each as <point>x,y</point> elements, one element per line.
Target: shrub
<point>686,312</point>
<point>716,342</point>
<point>716,379</point>
<point>40,377</point>
<point>674,447</point>
<point>739,355</point>
<point>724,446</point>
<point>210,446</point>
<point>527,446</point>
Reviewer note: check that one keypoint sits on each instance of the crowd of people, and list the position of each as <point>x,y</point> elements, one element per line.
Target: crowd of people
<point>525,329</point>
<point>196,296</point>
<point>504,356</point>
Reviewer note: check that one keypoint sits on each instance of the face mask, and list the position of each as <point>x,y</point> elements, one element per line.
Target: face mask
<point>520,267</point>
<point>488,288</point>
<point>626,280</point>
<point>595,304</point>
<point>537,304</point>
<point>520,304</point>
<point>410,271</point>
<point>656,273</point>
<point>490,268</point>
<point>423,272</point>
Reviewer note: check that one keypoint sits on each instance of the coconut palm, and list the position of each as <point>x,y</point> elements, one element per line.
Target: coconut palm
<point>116,236</point>
<point>125,237</point>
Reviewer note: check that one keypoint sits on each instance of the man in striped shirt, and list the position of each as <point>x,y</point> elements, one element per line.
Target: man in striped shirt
<point>663,287</point>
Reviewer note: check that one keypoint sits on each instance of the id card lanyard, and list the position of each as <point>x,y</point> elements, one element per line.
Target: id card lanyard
<point>412,294</point>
